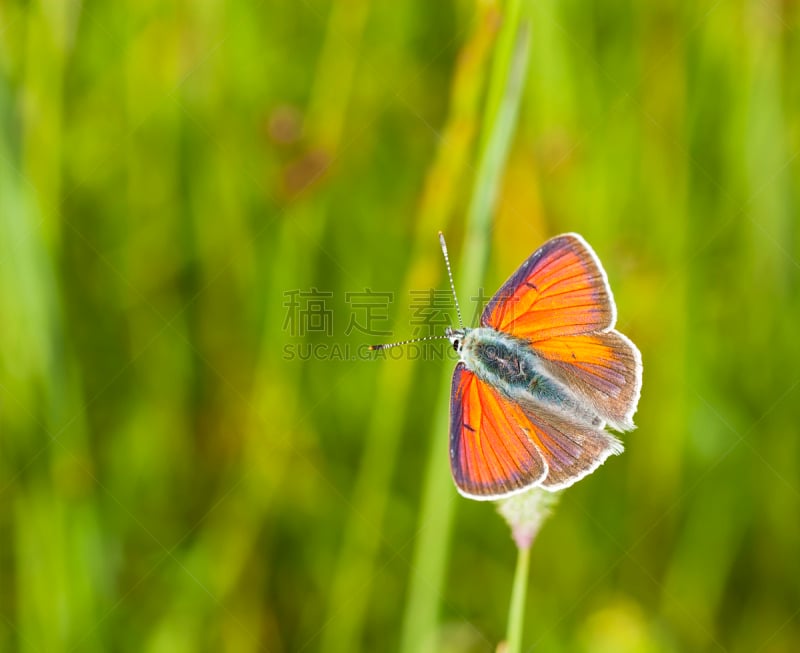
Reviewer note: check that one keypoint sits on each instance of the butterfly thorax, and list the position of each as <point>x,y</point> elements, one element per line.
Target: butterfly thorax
<point>511,366</point>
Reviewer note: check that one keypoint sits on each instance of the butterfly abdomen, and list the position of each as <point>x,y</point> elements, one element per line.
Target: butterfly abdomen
<point>513,368</point>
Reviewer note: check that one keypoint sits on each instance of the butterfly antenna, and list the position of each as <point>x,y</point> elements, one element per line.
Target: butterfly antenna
<point>450,276</point>
<point>404,342</point>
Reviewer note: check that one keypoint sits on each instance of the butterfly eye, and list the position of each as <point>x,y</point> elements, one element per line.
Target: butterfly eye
<point>455,345</point>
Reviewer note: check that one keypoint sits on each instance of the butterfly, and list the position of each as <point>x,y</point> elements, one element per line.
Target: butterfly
<point>541,377</point>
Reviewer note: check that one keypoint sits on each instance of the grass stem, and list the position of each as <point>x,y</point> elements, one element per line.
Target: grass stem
<point>516,610</point>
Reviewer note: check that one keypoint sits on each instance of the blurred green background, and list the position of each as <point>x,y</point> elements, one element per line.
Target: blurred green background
<point>177,177</point>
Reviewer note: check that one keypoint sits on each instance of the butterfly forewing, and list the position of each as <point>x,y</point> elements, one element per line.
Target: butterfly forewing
<point>559,302</point>
<point>491,452</point>
<point>559,290</point>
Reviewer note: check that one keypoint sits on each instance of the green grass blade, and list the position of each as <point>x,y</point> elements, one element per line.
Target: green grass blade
<point>430,554</point>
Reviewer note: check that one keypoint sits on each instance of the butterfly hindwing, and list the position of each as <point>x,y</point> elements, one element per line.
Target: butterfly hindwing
<point>571,451</point>
<point>561,289</point>
<point>603,369</point>
<point>491,452</point>
<point>559,302</point>
<point>499,447</point>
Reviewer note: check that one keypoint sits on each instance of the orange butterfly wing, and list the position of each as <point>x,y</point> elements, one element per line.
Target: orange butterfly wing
<point>559,302</point>
<point>561,289</point>
<point>604,369</point>
<point>491,454</point>
<point>499,447</point>
<point>570,450</point>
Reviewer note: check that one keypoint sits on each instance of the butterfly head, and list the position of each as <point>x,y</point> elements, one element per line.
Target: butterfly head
<point>456,337</point>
